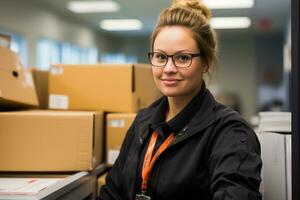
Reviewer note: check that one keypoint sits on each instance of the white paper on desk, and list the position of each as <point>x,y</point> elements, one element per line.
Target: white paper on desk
<point>25,185</point>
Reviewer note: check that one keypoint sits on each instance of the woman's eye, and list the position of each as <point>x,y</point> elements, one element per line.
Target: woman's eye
<point>182,58</point>
<point>160,57</point>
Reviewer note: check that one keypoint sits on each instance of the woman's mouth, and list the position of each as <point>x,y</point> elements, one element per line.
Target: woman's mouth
<point>170,81</point>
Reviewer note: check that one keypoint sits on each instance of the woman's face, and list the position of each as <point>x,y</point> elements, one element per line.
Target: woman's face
<point>171,80</point>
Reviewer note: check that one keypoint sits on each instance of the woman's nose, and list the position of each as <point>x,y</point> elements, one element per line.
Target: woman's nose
<point>170,66</point>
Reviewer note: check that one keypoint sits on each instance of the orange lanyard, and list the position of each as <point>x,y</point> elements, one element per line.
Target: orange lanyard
<point>149,160</point>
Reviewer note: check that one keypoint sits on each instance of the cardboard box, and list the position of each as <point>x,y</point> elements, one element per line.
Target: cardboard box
<point>100,183</point>
<point>50,141</point>
<point>107,87</point>
<point>17,89</point>
<point>117,125</point>
<point>5,41</point>
<point>40,78</point>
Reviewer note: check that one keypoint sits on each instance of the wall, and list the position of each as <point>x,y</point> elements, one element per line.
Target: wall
<point>236,70</point>
<point>269,55</point>
<point>138,46</point>
<point>242,62</point>
<point>269,63</point>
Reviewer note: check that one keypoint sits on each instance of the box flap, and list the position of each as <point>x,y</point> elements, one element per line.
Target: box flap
<point>16,84</point>
<point>9,60</point>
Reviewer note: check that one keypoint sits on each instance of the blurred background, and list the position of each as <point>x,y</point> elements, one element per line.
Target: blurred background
<point>253,72</point>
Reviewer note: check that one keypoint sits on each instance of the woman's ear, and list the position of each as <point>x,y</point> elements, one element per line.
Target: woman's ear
<point>204,69</point>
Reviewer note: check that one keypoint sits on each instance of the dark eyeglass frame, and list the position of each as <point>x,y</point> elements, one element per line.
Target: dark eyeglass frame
<point>151,54</point>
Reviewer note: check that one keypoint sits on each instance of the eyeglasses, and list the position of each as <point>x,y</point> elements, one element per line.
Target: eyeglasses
<point>180,60</point>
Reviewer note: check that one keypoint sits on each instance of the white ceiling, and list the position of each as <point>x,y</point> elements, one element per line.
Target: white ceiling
<point>268,16</point>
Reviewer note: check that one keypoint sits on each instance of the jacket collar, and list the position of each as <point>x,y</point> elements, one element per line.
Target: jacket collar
<point>176,124</point>
<point>204,116</point>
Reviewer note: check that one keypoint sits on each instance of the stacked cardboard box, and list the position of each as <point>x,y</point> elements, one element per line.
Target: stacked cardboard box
<point>117,125</point>
<point>17,88</point>
<point>50,140</point>
<point>120,88</point>
<point>70,136</point>
<point>107,87</point>
<point>42,140</point>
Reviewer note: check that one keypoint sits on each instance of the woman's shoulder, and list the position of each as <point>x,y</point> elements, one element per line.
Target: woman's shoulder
<point>225,113</point>
<point>230,125</point>
<point>146,113</point>
<point>228,117</point>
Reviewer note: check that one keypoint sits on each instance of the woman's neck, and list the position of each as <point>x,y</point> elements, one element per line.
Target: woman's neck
<point>176,104</point>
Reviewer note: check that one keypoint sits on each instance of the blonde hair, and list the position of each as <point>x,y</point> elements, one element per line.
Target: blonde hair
<point>195,16</point>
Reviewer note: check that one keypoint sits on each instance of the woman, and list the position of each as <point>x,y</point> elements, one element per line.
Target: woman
<point>185,145</point>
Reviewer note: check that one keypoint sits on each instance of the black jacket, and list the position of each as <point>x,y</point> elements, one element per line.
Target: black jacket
<point>215,156</point>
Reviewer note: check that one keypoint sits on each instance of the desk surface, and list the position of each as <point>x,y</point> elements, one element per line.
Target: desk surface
<point>81,185</point>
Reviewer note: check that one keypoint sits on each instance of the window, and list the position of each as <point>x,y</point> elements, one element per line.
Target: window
<point>51,52</point>
<point>89,55</point>
<point>118,58</point>
<point>48,52</point>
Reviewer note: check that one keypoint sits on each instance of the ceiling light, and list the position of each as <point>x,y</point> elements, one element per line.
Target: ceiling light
<point>121,24</point>
<point>230,22</point>
<point>229,4</point>
<point>93,6</point>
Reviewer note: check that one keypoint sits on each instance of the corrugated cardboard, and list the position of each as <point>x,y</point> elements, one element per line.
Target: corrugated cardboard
<point>100,183</point>
<point>107,87</point>
<point>117,125</point>
<point>50,140</point>
<point>40,78</point>
<point>16,84</point>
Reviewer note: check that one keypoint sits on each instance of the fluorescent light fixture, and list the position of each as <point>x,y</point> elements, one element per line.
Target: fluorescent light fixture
<point>230,22</point>
<point>229,4</point>
<point>93,6</point>
<point>121,24</point>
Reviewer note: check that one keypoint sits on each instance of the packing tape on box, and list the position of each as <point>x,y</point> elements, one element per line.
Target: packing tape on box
<point>28,81</point>
<point>57,101</point>
<point>116,123</point>
<point>56,70</point>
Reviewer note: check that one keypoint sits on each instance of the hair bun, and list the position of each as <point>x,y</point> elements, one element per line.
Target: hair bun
<point>197,5</point>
